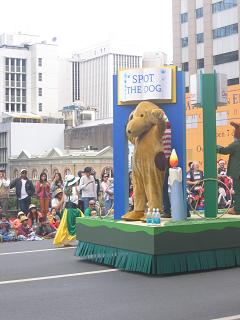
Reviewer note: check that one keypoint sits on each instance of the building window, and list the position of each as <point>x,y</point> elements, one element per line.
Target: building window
<point>12,107</point>
<point>200,63</point>
<point>7,107</point>
<point>225,31</point>
<point>40,107</point>
<point>24,108</point>
<point>15,173</point>
<point>225,57</point>
<point>233,81</point>
<point>40,92</point>
<point>40,62</point>
<point>185,66</point>
<point>40,77</point>
<point>34,174</point>
<point>184,42</point>
<point>24,65</point>
<point>200,37</point>
<point>18,107</point>
<point>184,17</point>
<point>187,89</point>
<point>223,5</point>
<point>199,13</point>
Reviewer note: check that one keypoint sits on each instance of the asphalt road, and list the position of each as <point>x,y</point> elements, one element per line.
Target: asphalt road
<point>81,294</point>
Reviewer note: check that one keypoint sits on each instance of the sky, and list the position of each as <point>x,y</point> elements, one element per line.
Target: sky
<point>79,24</point>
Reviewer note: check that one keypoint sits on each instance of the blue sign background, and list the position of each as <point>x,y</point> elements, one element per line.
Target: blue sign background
<point>176,114</point>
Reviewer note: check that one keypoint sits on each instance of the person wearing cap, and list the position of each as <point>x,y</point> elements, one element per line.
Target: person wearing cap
<point>88,187</point>
<point>4,190</point>
<point>17,222</point>
<point>33,216</point>
<point>24,190</point>
<point>24,229</point>
<point>66,231</point>
<point>233,168</point>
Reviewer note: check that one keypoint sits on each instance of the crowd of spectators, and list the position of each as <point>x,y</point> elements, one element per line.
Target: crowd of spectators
<point>37,222</point>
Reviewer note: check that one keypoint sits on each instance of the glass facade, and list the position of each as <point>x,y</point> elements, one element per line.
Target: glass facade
<point>15,84</point>
<point>184,42</point>
<point>225,57</point>
<point>199,13</point>
<point>225,31</point>
<point>200,37</point>
<point>184,17</point>
<point>223,5</point>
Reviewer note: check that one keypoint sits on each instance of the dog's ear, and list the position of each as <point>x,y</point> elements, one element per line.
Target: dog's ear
<point>156,116</point>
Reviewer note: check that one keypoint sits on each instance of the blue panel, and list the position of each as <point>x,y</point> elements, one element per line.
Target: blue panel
<point>176,114</point>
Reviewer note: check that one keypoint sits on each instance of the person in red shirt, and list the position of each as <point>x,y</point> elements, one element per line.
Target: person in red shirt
<point>43,193</point>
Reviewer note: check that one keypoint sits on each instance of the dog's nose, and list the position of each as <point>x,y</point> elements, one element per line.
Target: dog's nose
<point>129,131</point>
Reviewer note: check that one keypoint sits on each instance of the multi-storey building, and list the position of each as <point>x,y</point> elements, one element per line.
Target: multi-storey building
<point>28,75</point>
<point>92,76</point>
<point>206,37</point>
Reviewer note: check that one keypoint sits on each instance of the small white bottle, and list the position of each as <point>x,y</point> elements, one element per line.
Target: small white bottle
<point>153,216</point>
<point>149,217</point>
<point>157,219</point>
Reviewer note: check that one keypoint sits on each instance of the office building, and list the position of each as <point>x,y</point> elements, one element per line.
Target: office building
<point>28,75</point>
<point>206,37</point>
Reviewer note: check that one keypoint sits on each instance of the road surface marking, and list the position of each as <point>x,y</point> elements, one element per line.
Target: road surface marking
<point>57,276</point>
<point>237,317</point>
<point>32,251</point>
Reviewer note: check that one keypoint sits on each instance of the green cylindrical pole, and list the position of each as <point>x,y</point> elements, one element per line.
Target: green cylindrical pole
<point>209,104</point>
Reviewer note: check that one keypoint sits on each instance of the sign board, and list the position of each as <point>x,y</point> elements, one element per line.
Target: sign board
<point>136,85</point>
<point>221,89</point>
<point>195,93</point>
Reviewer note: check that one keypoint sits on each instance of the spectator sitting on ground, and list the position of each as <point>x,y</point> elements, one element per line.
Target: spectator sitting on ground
<point>6,231</point>
<point>91,211</point>
<point>25,232</point>
<point>24,229</point>
<point>33,216</point>
<point>45,229</point>
<point>17,222</point>
<point>53,218</point>
<point>58,201</point>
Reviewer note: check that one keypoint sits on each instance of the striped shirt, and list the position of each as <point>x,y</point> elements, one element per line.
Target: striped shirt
<point>167,138</point>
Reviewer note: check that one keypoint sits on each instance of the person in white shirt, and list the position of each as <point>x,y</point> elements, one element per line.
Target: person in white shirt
<point>88,187</point>
<point>24,190</point>
<point>4,190</point>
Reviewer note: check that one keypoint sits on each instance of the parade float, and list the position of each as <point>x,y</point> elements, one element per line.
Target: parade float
<point>180,244</point>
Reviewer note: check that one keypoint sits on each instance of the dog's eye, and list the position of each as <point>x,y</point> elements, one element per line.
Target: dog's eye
<point>141,115</point>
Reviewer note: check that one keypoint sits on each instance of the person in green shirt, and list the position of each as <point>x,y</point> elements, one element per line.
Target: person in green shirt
<point>91,211</point>
<point>233,169</point>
